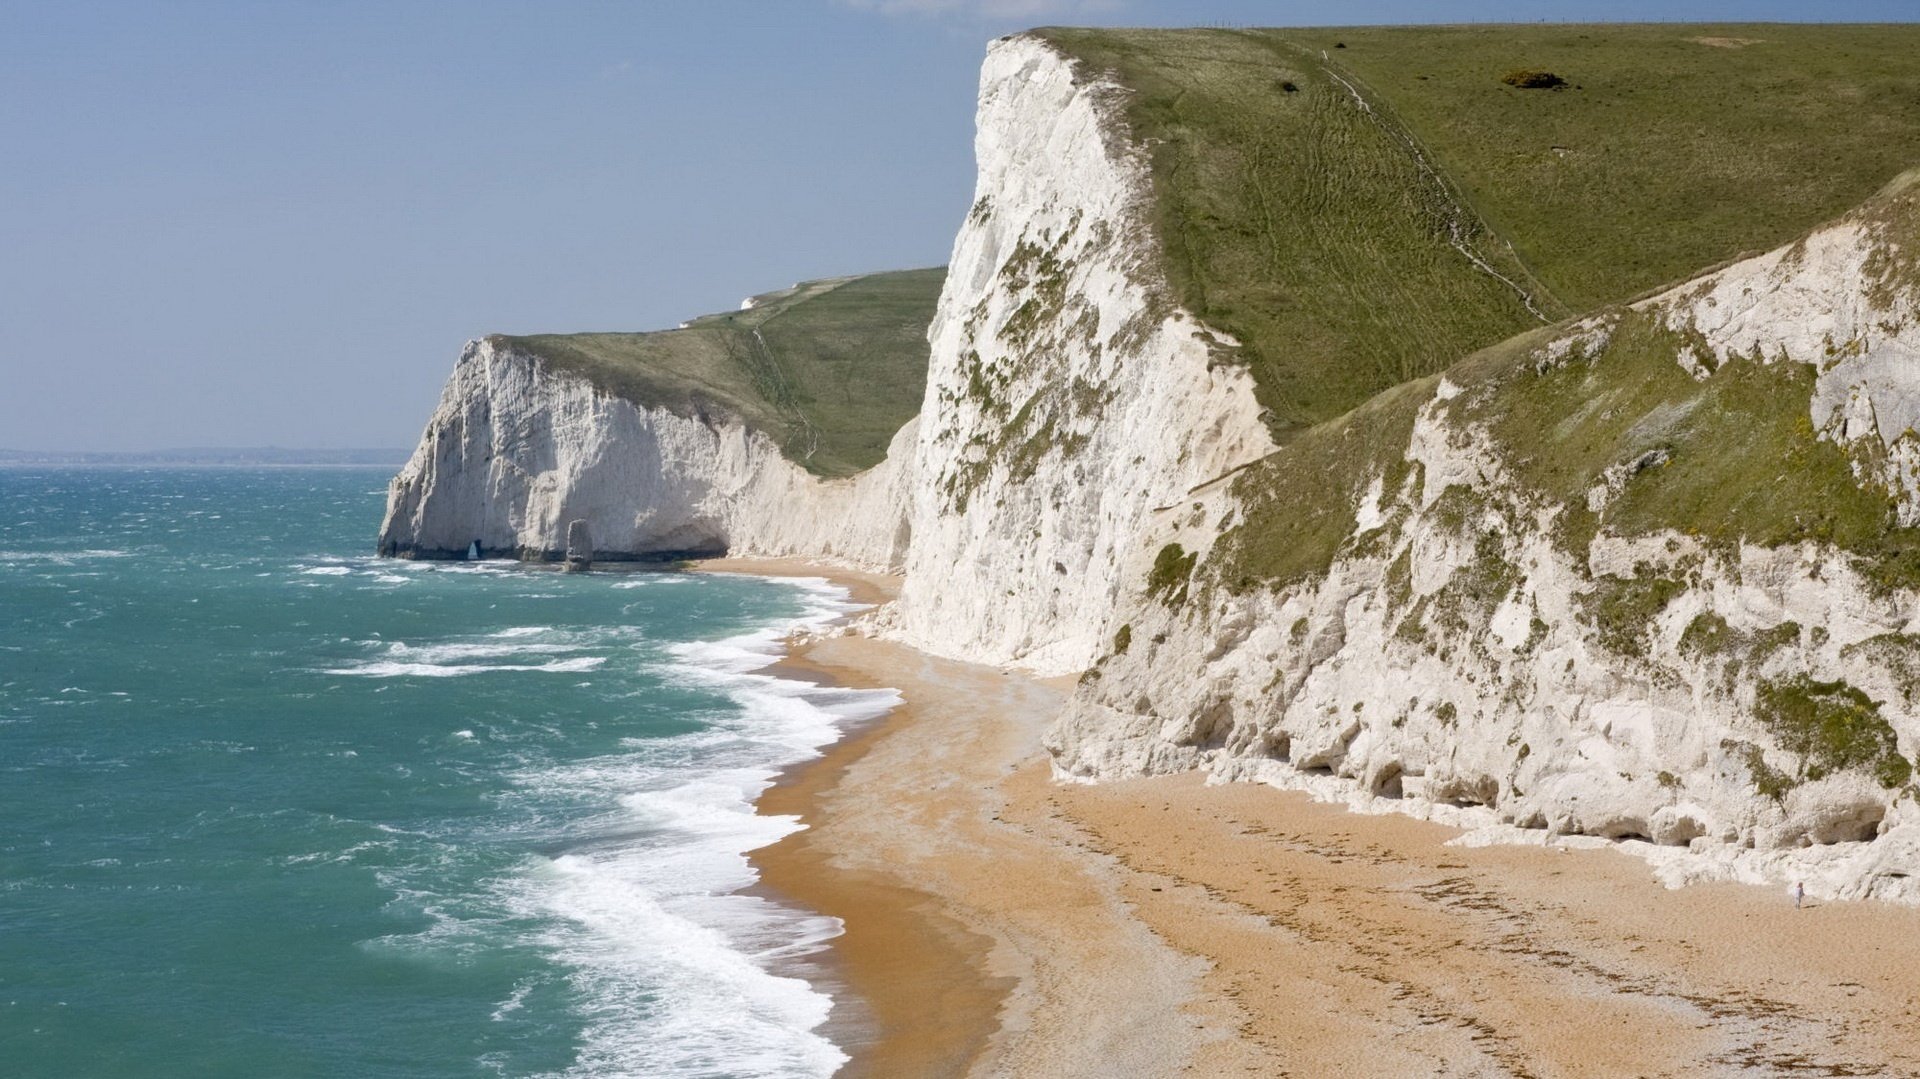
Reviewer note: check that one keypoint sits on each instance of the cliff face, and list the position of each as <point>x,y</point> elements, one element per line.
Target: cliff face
<point>516,450</point>
<point>1478,651</point>
<point>1069,403</point>
<point>1643,577</point>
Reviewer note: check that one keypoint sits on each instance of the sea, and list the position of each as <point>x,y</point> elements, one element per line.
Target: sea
<point>271,806</point>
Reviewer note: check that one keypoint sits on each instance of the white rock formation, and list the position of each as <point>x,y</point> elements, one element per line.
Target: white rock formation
<point>516,450</point>
<point>1817,302</point>
<point>1070,404</point>
<point>1480,687</point>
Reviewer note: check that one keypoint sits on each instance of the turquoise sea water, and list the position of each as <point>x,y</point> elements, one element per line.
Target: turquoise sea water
<point>272,807</point>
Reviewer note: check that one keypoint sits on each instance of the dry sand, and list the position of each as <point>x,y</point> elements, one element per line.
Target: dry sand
<point>998,923</point>
<point>1363,945</point>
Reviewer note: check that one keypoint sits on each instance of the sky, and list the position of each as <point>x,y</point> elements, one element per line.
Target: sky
<point>275,223</point>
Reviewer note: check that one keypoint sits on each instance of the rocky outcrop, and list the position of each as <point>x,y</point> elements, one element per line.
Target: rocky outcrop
<point>579,545</point>
<point>516,450</point>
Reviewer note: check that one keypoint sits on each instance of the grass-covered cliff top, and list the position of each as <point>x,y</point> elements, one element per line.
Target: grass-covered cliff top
<point>1362,207</point>
<point>830,369</point>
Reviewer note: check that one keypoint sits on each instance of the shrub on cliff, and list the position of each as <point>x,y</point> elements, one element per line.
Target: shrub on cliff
<point>1832,726</point>
<point>1171,569</point>
<point>1527,78</point>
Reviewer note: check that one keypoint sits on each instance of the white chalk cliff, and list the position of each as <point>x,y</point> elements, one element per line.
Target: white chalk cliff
<point>1068,400</point>
<point>1478,687</point>
<point>517,450</point>
<point>1076,422</point>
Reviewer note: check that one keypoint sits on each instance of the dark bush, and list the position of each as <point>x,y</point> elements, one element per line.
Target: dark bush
<point>1527,78</point>
<point>1288,86</point>
<point>1171,568</point>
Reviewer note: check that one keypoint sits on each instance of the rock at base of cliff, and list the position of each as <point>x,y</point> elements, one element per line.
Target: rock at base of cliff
<point>579,546</point>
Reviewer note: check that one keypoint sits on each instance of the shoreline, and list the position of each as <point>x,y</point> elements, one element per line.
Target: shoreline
<point>979,936</point>
<point>998,922</point>
<point>912,992</point>
<point>910,988</point>
<point>912,981</point>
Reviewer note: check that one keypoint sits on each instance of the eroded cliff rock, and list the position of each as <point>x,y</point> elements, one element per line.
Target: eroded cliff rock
<point>1707,643</point>
<point>1069,401</point>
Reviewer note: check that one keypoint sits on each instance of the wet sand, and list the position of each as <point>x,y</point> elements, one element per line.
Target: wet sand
<point>998,923</point>
<point>913,994</point>
<point>871,589</point>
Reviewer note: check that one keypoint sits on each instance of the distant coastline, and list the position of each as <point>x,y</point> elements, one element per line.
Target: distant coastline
<point>208,457</point>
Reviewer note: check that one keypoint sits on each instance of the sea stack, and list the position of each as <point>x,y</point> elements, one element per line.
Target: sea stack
<point>579,546</point>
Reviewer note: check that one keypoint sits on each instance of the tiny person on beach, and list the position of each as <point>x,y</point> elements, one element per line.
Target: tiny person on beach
<point>1799,893</point>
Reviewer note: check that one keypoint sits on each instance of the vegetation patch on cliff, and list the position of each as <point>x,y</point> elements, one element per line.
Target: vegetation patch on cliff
<point>1832,727</point>
<point>1056,419</point>
<point>829,369</point>
<point>1728,458</point>
<point>1894,223</point>
<point>1621,423</point>
<point>1172,568</point>
<point>1301,504</point>
<point>1623,610</point>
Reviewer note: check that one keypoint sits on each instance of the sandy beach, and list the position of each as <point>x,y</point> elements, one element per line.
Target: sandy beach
<point>999,923</point>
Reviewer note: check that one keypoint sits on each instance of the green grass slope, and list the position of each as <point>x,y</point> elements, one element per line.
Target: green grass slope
<point>1730,457</point>
<point>1362,207</point>
<point>830,369</point>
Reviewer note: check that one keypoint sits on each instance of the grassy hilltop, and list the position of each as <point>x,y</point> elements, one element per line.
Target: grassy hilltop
<point>1324,195</point>
<point>830,369</point>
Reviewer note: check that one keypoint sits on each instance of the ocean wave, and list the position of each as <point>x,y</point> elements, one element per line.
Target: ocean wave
<point>440,653</point>
<point>693,966</point>
<point>687,974</point>
<point>63,558</point>
<point>530,644</point>
<point>679,892</point>
<point>391,669</point>
<point>380,571</point>
<point>674,963</point>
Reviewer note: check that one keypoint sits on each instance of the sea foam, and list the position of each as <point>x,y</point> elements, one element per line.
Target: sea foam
<point>547,645</point>
<point>391,669</point>
<point>685,974</point>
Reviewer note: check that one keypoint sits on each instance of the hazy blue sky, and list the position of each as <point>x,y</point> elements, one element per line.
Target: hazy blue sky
<point>275,223</point>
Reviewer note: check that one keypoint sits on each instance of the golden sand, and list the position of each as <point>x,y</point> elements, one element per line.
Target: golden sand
<point>999,923</point>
